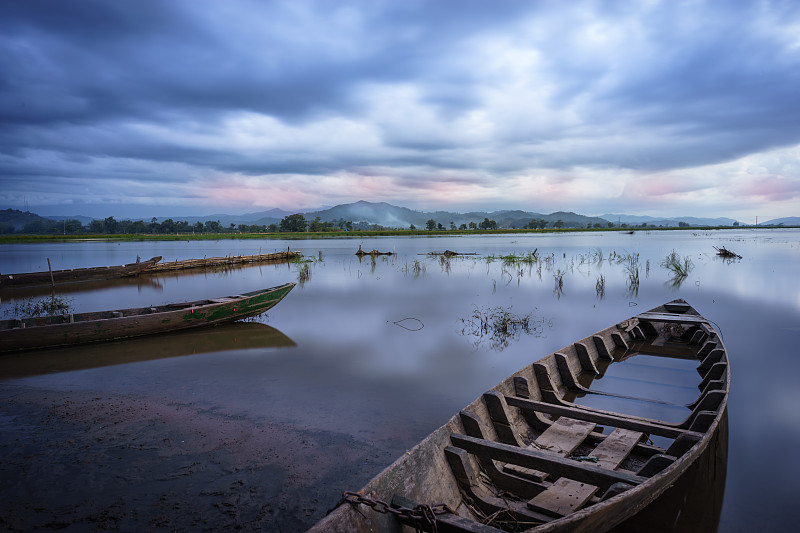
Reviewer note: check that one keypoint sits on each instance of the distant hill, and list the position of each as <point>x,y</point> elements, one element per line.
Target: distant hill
<point>392,216</point>
<point>636,220</point>
<point>786,221</point>
<point>17,219</point>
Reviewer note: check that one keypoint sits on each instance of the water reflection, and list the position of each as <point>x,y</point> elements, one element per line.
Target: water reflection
<point>225,337</point>
<point>358,375</point>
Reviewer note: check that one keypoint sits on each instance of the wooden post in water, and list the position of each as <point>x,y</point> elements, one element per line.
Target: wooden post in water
<point>52,281</point>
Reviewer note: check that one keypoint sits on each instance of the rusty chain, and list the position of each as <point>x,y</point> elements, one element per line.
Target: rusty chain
<point>423,517</point>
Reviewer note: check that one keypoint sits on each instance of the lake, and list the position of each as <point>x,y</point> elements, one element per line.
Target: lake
<point>265,427</point>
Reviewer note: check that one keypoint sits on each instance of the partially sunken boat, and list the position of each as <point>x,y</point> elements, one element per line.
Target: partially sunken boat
<point>532,454</point>
<point>63,330</point>
<point>75,275</point>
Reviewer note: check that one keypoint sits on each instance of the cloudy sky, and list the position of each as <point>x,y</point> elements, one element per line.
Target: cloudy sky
<point>143,108</point>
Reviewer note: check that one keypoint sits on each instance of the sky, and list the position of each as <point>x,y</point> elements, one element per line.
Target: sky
<point>168,108</point>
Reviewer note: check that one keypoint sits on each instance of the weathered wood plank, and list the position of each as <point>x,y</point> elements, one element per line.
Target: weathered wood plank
<point>566,495</point>
<point>560,439</point>
<point>632,423</point>
<point>557,466</point>
<point>616,447</point>
<point>673,317</point>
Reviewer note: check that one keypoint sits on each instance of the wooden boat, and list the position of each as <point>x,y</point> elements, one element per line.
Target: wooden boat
<point>62,330</point>
<point>531,455</point>
<point>74,275</point>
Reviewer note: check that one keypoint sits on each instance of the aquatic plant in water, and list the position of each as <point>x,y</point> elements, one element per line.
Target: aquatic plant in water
<point>31,307</point>
<point>600,287</point>
<point>674,264</point>
<point>303,274</point>
<point>500,326</point>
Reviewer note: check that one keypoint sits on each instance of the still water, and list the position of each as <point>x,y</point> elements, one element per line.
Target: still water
<point>378,352</point>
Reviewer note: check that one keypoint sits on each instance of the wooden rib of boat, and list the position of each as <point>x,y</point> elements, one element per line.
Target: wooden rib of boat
<point>74,275</point>
<point>533,454</point>
<point>62,330</point>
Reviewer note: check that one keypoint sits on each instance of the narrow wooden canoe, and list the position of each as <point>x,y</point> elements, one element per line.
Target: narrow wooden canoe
<point>74,275</point>
<point>62,330</point>
<point>538,453</point>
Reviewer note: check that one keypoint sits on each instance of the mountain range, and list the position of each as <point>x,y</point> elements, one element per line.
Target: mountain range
<point>392,216</point>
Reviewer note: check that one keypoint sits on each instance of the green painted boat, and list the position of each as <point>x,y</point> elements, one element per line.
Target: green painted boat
<point>78,328</point>
<point>553,448</point>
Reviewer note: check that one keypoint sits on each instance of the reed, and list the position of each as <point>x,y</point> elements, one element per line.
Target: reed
<point>600,287</point>
<point>303,274</point>
<point>680,268</point>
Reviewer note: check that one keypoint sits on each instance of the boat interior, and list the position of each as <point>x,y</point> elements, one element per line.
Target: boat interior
<point>590,422</point>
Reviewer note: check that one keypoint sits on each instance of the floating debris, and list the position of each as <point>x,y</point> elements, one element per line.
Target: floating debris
<point>450,253</point>
<point>723,252</point>
<point>373,253</point>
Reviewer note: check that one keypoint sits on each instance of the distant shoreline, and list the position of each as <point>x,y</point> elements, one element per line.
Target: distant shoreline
<point>16,238</point>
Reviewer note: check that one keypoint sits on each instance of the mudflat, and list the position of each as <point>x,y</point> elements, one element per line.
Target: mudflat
<point>76,461</point>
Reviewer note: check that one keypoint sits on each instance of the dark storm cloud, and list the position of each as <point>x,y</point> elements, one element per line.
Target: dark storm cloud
<point>483,91</point>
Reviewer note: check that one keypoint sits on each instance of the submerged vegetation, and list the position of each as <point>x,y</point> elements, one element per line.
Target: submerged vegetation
<point>36,307</point>
<point>500,326</point>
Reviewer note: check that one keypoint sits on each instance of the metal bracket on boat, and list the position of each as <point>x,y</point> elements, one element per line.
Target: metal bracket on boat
<point>423,517</point>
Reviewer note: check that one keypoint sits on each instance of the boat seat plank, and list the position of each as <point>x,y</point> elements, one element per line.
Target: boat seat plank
<point>557,466</point>
<point>672,317</point>
<point>561,439</point>
<point>632,423</point>
<point>566,495</point>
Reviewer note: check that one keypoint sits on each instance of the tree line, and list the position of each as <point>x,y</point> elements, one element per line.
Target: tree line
<point>290,224</point>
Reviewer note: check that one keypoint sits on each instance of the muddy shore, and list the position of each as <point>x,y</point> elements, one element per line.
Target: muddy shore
<point>79,461</point>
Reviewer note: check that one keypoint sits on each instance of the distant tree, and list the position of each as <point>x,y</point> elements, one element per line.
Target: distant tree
<point>294,223</point>
<point>213,226</point>
<point>412,227</point>
<point>683,225</point>
<point>462,227</point>
<point>473,225</point>
<point>6,227</point>
<point>597,225</point>
<point>736,223</point>
<point>452,225</point>
<point>439,226</point>
<point>558,224</point>
<point>168,226</point>
<point>273,228</point>
<point>198,227</point>
<point>430,225</point>
<point>96,226</point>
<point>610,224</point>
<point>110,225</point>
<point>488,224</point>
<point>137,227</point>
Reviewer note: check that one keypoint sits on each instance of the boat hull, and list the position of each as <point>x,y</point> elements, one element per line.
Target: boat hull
<point>76,275</point>
<point>110,325</point>
<point>426,474</point>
